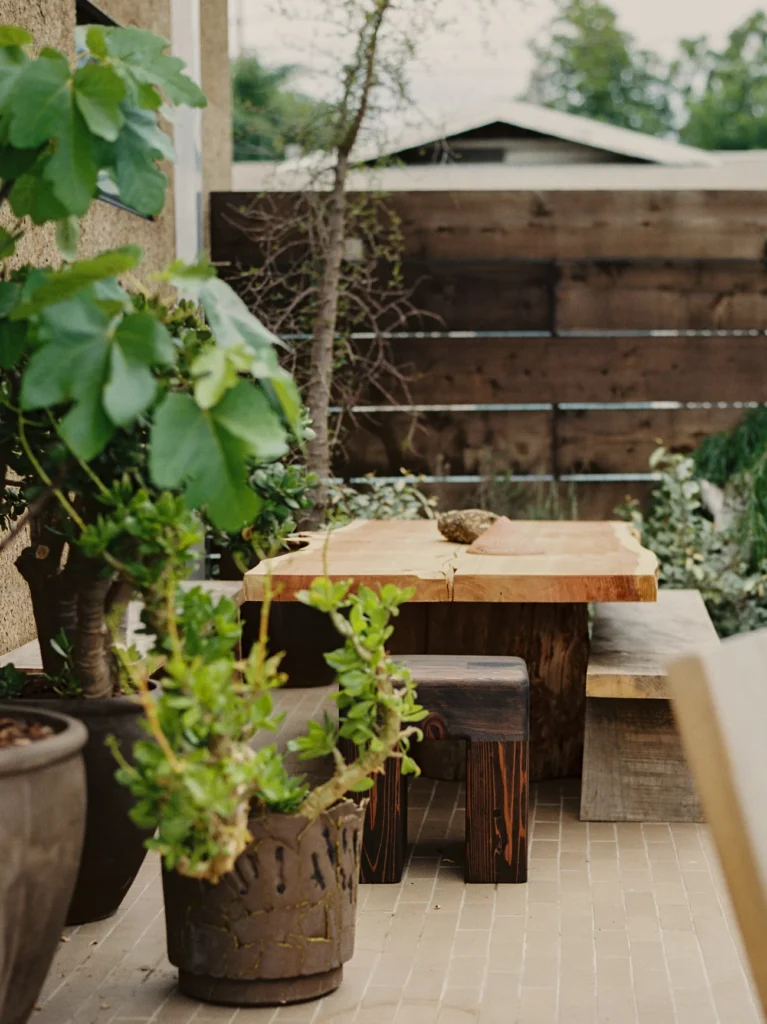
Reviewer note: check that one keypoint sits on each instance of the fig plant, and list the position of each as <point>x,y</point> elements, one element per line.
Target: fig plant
<point>102,388</point>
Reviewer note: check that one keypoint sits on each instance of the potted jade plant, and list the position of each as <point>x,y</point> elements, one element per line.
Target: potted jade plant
<point>107,391</point>
<point>260,869</point>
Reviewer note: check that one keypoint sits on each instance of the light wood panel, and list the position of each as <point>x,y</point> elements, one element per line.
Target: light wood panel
<point>635,296</point>
<point>631,644</point>
<point>582,562</point>
<point>394,551</point>
<point>634,768</point>
<point>720,702</point>
<point>584,369</point>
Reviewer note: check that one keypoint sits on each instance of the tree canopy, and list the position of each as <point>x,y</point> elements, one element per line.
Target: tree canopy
<point>586,63</point>
<point>269,115</point>
<point>725,91</point>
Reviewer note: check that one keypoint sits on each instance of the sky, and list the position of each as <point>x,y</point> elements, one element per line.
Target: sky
<point>475,59</point>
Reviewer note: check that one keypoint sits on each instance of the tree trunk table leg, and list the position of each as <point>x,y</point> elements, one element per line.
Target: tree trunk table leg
<point>553,640</point>
<point>384,839</point>
<point>497,776</point>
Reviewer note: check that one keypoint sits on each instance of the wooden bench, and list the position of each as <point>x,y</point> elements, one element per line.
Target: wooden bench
<point>634,768</point>
<point>485,701</point>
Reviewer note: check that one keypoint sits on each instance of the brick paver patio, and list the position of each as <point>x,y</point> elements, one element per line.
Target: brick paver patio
<point>619,924</point>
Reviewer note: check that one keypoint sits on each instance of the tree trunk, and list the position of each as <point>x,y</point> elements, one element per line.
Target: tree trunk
<point>360,79</point>
<point>94,664</point>
<point>70,600</point>
<point>323,339</point>
<point>40,565</point>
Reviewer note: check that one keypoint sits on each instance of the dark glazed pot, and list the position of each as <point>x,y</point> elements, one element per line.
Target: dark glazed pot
<point>42,811</point>
<point>114,847</point>
<point>278,928</point>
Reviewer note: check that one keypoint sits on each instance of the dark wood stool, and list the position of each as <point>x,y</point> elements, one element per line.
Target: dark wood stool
<point>485,701</point>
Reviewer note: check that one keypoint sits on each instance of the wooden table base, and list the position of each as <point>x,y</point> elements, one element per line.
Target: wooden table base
<point>551,638</point>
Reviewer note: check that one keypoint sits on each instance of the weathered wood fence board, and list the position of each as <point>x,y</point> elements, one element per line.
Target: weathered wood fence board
<point>635,296</point>
<point>585,369</point>
<point>455,443</point>
<point>622,440</point>
<point>591,500</point>
<point>589,441</point>
<point>510,295</point>
<point>482,295</point>
<point>566,225</point>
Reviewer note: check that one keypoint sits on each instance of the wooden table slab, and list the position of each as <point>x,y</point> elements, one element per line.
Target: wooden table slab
<point>579,562</point>
<point>532,605</point>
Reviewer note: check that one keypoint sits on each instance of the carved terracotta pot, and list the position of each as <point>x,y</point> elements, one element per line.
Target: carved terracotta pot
<point>278,928</point>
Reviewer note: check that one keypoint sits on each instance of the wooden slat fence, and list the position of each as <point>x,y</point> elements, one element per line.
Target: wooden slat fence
<point>570,333</point>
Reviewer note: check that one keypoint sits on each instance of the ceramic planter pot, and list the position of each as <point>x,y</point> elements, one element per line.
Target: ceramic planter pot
<point>114,849</point>
<point>42,810</point>
<point>278,928</point>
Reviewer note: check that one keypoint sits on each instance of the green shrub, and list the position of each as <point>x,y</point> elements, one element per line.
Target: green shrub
<point>737,462</point>
<point>378,499</point>
<point>285,492</point>
<point>693,554</point>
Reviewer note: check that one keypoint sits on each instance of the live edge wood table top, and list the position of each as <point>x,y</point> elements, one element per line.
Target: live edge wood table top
<point>552,562</point>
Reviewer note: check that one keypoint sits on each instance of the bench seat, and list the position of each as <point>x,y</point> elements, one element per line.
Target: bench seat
<point>486,702</point>
<point>633,767</point>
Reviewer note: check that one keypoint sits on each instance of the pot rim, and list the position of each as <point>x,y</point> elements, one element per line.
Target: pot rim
<point>71,736</point>
<point>93,707</point>
<point>346,802</point>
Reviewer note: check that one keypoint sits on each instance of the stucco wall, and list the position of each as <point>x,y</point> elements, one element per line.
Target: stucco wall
<point>53,24</point>
<point>217,116</point>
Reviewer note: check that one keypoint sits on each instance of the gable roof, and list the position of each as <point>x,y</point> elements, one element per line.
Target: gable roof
<point>568,127</point>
